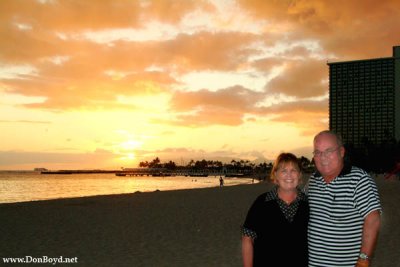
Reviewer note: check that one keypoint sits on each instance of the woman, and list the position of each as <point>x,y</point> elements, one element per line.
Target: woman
<point>275,229</point>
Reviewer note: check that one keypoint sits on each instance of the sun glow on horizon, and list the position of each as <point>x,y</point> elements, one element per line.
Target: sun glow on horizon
<point>128,158</point>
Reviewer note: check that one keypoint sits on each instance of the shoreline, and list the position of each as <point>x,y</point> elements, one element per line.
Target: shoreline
<point>34,187</point>
<point>122,195</point>
<point>195,227</point>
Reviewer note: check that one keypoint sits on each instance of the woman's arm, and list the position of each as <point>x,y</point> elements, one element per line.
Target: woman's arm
<point>247,251</point>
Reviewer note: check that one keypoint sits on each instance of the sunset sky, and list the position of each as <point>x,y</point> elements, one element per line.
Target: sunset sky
<point>107,84</point>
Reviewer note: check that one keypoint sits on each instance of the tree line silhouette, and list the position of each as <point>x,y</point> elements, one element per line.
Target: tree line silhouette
<point>245,167</point>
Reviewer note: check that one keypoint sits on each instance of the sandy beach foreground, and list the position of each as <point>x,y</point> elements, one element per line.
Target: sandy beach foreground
<point>197,227</point>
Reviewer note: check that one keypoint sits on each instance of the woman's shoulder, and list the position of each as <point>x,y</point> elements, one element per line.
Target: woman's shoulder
<point>267,196</point>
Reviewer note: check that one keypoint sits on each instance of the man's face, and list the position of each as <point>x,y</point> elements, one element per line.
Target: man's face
<point>328,155</point>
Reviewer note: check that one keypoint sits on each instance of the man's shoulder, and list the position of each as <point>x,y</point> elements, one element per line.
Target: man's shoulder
<point>356,177</point>
<point>354,170</point>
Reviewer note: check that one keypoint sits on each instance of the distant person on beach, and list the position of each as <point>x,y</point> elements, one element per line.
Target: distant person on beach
<point>221,181</point>
<point>344,208</point>
<point>275,230</point>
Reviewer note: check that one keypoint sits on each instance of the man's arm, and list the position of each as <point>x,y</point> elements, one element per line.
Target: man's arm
<point>370,235</point>
<point>247,251</point>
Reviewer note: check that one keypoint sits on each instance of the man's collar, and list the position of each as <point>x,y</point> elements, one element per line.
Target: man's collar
<point>346,169</point>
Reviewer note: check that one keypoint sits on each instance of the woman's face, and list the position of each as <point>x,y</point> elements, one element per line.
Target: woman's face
<point>287,177</point>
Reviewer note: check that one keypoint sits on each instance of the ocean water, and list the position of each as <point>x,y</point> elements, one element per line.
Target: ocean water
<point>29,186</point>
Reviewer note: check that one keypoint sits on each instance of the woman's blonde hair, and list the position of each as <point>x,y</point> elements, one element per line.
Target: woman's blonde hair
<point>284,158</point>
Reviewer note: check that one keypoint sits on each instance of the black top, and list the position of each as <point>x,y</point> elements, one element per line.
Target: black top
<point>280,239</point>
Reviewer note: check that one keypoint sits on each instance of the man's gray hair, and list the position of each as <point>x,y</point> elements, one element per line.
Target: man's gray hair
<point>338,137</point>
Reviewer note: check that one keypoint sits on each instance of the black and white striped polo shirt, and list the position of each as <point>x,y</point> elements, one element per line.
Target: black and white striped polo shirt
<point>337,212</point>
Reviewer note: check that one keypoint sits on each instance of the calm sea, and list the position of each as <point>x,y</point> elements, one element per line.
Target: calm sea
<point>27,186</point>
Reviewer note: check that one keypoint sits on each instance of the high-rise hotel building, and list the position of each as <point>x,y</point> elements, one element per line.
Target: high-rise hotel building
<point>364,99</point>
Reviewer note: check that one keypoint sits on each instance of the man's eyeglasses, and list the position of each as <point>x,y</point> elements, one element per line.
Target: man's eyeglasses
<point>326,153</point>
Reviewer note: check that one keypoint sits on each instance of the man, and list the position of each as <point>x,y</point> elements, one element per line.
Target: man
<point>344,208</point>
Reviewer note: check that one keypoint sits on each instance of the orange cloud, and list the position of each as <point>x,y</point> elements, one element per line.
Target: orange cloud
<point>35,34</point>
<point>302,78</point>
<point>226,106</point>
<point>349,29</point>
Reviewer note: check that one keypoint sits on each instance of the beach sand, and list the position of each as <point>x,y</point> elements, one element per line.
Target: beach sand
<point>197,227</point>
